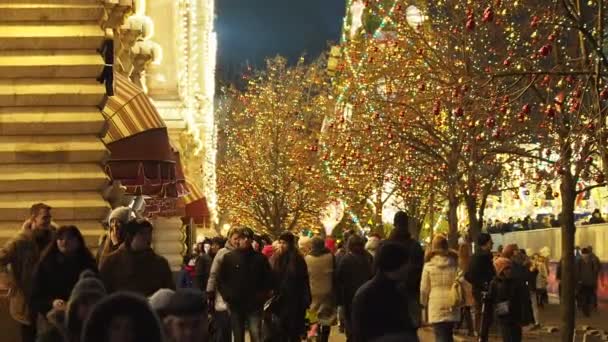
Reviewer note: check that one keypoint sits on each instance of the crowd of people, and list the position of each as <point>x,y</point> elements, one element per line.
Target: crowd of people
<point>542,221</point>
<point>285,290</point>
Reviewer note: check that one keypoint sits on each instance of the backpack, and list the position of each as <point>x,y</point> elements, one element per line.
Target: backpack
<point>457,298</point>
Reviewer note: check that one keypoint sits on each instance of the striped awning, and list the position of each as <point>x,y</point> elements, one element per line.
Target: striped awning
<point>141,155</point>
<point>196,204</point>
<point>129,111</point>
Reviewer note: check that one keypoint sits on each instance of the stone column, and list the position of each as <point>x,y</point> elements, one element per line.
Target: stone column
<point>168,239</point>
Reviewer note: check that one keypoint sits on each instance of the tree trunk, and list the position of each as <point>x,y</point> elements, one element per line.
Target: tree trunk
<point>474,222</point>
<point>452,219</point>
<point>568,280</point>
<point>378,214</point>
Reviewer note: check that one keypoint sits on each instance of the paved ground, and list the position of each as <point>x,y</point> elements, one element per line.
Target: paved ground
<point>549,318</point>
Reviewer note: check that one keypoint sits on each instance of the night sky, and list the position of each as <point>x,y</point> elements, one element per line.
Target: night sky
<point>249,31</point>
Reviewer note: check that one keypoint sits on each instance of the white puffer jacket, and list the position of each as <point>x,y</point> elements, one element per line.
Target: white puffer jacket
<point>438,276</point>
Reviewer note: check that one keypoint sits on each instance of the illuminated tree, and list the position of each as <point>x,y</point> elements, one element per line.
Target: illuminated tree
<point>270,177</point>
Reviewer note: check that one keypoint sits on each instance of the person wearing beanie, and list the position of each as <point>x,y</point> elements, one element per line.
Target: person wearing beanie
<point>66,321</point>
<point>135,267</point>
<point>508,296</point>
<point>353,270</point>
<point>186,316</point>
<point>378,307</point>
<point>321,270</point>
<point>122,317</point>
<point>111,241</point>
<point>480,273</point>
<point>438,277</point>
<point>160,300</point>
<point>244,280</point>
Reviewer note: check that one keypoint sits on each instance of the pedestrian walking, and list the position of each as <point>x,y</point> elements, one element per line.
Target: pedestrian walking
<point>244,280</point>
<point>22,253</point>
<point>218,307</point>
<point>439,275</point>
<point>292,287</point>
<point>135,267</point>
<point>509,297</point>
<point>378,312</point>
<point>58,271</point>
<point>586,277</point>
<point>480,273</point>
<point>466,312</point>
<point>321,270</point>
<point>353,270</point>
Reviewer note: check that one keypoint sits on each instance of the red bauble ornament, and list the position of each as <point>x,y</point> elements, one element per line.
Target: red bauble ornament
<point>534,22</point>
<point>458,112</point>
<point>470,25</point>
<point>496,135</point>
<point>604,94</point>
<point>488,14</point>
<point>491,122</point>
<point>545,50</point>
<point>422,87</point>
<point>526,109</point>
<point>552,37</point>
<point>506,62</point>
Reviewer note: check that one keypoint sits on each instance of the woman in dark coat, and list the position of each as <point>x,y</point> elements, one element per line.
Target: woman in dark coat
<point>293,288</point>
<point>59,269</point>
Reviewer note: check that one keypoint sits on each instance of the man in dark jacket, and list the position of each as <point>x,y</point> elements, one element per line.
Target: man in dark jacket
<point>586,277</point>
<point>245,281</point>
<point>353,270</point>
<point>378,310</point>
<point>480,273</point>
<point>411,272</point>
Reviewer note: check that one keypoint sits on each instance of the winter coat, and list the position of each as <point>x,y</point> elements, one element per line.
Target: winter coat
<point>378,311</point>
<point>516,293</point>
<point>220,303</point>
<point>586,271</point>
<point>438,277</point>
<point>146,326</point>
<point>202,268</point>
<point>293,289</point>
<point>542,276</point>
<point>142,272</point>
<point>321,272</point>
<point>480,273</point>
<point>55,278</point>
<point>22,254</point>
<point>106,248</point>
<point>353,271</point>
<point>244,280</point>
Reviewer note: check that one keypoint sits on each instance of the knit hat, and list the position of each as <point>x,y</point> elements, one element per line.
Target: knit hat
<point>159,301</point>
<point>317,244</point>
<point>501,263</point>
<point>186,302</point>
<point>440,243</point>
<point>122,214</point>
<point>135,226</point>
<point>391,256</point>
<point>509,251</point>
<point>88,283</point>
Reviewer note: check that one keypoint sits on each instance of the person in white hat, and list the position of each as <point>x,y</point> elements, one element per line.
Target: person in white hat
<point>115,235</point>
